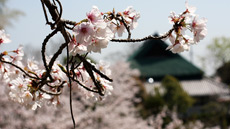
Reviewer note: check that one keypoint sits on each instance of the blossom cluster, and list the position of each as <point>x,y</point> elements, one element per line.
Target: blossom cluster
<point>26,89</point>
<point>4,38</point>
<point>188,20</point>
<point>118,109</point>
<point>87,81</point>
<point>95,32</point>
<point>22,88</point>
<point>33,85</point>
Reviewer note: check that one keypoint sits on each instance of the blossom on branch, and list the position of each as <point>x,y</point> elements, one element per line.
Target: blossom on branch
<point>131,16</point>
<point>32,85</point>
<point>84,33</point>
<point>4,38</point>
<point>199,29</point>
<point>188,20</point>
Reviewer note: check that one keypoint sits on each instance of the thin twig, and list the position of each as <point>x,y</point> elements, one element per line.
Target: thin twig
<point>56,86</point>
<point>88,68</point>
<point>52,9</point>
<point>55,56</point>
<point>70,22</point>
<point>101,74</point>
<point>70,91</point>
<point>145,38</point>
<point>50,93</point>
<point>18,68</point>
<point>126,27</point>
<point>93,68</point>
<point>45,13</point>
<point>60,13</point>
<point>66,36</point>
<point>43,52</point>
<point>85,86</point>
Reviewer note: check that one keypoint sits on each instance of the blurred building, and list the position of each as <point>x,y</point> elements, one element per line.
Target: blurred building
<point>154,62</point>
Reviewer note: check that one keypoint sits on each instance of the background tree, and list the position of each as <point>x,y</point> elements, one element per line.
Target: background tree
<point>117,111</point>
<point>174,94</point>
<point>214,117</point>
<point>223,72</point>
<point>220,51</point>
<point>7,14</point>
<point>33,84</point>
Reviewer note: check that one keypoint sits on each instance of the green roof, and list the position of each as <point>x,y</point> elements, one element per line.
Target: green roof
<point>154,61</point>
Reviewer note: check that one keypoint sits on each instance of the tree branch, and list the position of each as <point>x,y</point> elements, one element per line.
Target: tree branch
<point>143,39</point>
<point>18,68</point>
<point>43,52</point>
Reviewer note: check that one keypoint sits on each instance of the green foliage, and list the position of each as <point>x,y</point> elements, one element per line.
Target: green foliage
<point>220,49</point>
<point>214,113</point>
<point>152,104</point>
<point>174,95</point>
<point>223,73</point>
<point>7,15</point>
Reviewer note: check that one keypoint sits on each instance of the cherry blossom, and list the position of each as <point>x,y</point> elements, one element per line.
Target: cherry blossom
<point>76,48</point>
<point>120,29</point>
<point>177,48</point>
<point>97,45</point>
<point>95,17</point>
<point>4,38</point>
<point>131,16</point>
<point>84,32</point>
<point>199,29</point>
<point>187,20</point>
<point>190,9</point>
<point>34,84</point>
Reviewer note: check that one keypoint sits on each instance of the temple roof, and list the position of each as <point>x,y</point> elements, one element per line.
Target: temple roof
<point>203,87</point>
<point>154,61</point>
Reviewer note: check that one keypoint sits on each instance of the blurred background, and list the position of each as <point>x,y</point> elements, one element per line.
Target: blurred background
<point>194,94</point>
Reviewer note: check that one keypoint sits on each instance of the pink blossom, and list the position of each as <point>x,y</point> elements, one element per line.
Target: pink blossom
<point>190,9</point>
<point>198,27</point>
<point>32,65</point>
<point>27,97</point>
<point>104,67</point>
<point>120,30</point>
<point>77,48</point>
<point>188,20</point>
<point>173,18</point>
<point>17,59</point>
<point>178,45</point>
<point>84,33</point>
<point>4,38</point>
<point>100,40</point>
<point>17,89</point>
<point>97,45</point>
<point>177,48</point>
<point>94,15</point>
<point>131,16</point>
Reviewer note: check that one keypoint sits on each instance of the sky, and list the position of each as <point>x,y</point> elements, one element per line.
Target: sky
<point>31,29</point>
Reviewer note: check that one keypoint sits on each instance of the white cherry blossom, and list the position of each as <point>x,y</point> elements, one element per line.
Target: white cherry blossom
<point>190,9</point>
<point>177,48</point>
<point>84,33</point>
<point>4,38</point>
<point>97,45</point>
<point>198,27</point>
<point>94,15</point>
<point>131,16</point>
<point>76,48</point>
